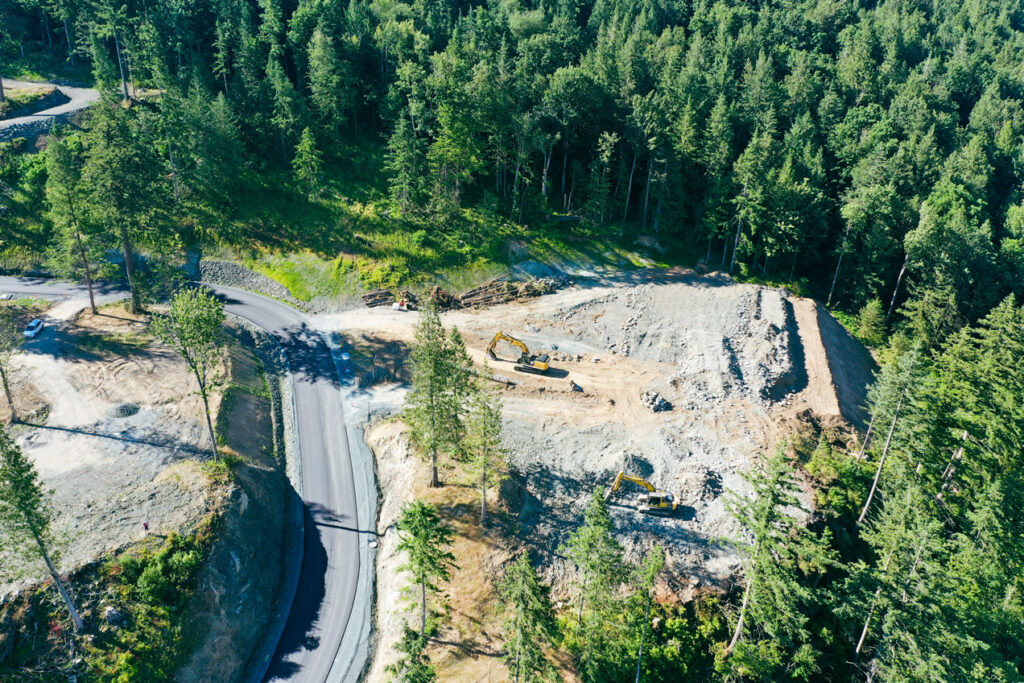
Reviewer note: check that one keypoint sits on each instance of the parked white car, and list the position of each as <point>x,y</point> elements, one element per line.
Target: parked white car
<point>33,328</point>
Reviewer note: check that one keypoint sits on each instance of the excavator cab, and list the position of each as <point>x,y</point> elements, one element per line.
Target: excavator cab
<point>657,503</point>
<point>653,502</point>
<point>527,362</point>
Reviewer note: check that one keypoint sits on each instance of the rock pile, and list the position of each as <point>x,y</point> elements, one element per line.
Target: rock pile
<point>655,401</point>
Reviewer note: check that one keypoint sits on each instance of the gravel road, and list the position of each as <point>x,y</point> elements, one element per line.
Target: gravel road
<point>331,565</point>
<point>80,98</point>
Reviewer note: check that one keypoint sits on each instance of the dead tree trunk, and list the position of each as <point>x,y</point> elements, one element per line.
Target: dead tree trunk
<point>629,188</point>
<point>896,289</point>
<point>76,619</point>
<point>839,264</point>
<point>565,165</point>
<point>738,633</point>
<point>423,610</point>
<point>71,48</point>
<point>7,391</point>
<point>120,65</point>
<point>85,266</point>
<point>209,422</point>
<point>867,437</point>
<point>647,195</point>
<point>129,270</point>
<point>881,463</point>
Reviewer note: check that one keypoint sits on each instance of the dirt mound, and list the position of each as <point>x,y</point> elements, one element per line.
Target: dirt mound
<point>726,341</point>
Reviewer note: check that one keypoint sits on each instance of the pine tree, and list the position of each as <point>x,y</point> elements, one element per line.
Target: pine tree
<point>65,204</point>
<point>329,82</point>
<point>414,665</point>
<point>889,399</point>
<point>308,162</point>
<point>871,323</point>
<point>10,342</point>
<point>483,440</point>
<point>127,187</point>
<point>192,327</point>
<point>25,515</point>
<point>598,558</point>
<point>642,601</point>
<point>528,625</point>
<point>405,163</point>
<point>287,111</point>
<point>780,555</point>
<point>895,602</point>
<point>441,385</point>
<point>427,539</point>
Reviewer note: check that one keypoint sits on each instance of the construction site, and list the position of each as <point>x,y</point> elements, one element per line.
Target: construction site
<point>663,391</point>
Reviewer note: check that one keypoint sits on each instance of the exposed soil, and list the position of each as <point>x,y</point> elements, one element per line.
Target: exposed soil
<point>110,474</point>
<point>124,443</point>
<point>735,364</point>
<point>238,585</point>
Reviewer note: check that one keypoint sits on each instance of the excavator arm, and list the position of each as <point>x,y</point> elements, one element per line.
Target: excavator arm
<point>622,476</point>
<point>526,362</point>
<point>511,340</point>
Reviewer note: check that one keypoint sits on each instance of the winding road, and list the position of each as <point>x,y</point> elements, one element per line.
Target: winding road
<point>78,98</point>
<point>310,648</point>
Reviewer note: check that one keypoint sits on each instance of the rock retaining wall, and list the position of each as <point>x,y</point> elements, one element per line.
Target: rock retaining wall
<point>235,275</point>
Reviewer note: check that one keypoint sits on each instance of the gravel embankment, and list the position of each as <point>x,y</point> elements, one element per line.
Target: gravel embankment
<point>236,275</point>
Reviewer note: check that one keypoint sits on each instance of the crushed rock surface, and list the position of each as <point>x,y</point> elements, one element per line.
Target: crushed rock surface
<point>731,359</point>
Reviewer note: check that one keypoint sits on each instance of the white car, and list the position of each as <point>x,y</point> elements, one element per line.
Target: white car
<point>33,328</point>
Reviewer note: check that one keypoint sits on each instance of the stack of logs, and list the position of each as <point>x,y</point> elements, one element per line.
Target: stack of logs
<point>501,291</point>
<point>489,294</point>
<point>383,297</point>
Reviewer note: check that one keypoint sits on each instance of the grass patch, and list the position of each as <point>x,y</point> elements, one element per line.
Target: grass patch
<point>243,422</point>
<point>107,344</point>
<point>798,287</point>
<point>352,238</point>
<point>222,471</point>
<point>16,98</point>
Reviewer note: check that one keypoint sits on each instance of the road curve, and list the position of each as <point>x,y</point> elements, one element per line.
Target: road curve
<point>79,98</point>
<point>328,579</point>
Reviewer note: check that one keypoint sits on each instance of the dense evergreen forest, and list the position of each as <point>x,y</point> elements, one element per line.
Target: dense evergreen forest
<point>873,151</point>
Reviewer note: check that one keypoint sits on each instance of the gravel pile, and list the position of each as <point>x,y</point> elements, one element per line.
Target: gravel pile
<point>726,342</point>
<point>715,356</point>
<point>123,410</point>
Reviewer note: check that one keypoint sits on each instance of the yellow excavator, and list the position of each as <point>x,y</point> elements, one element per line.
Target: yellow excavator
<point>527,362</point>
<point>654,502</point>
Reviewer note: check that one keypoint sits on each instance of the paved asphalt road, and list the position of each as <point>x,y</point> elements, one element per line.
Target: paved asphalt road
<point>330,565</point>
<point>80,98</point>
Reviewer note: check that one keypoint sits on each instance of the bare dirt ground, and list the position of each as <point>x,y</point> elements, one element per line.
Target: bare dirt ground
<point>736,363</point>
<point>121,433</point>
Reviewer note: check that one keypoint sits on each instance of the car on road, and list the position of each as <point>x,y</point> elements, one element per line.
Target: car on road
<point>6,297</point>
<point>33,328</point>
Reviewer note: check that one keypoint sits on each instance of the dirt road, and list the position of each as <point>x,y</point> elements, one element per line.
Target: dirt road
<point>80,98</point>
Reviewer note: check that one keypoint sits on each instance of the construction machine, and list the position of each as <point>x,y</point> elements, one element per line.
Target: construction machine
<point>527,362</point>
<point>654,502</point>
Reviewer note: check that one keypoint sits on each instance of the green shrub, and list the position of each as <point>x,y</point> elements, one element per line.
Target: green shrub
<point>871,324</point>
<point>154,587</point>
